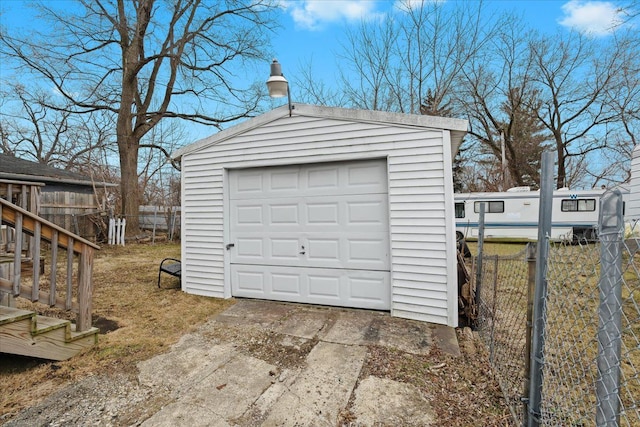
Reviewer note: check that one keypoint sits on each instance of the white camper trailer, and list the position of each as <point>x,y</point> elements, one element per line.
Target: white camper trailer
<point>513,215</point>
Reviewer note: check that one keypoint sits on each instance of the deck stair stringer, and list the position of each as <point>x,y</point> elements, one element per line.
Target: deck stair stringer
<point>27,333</point>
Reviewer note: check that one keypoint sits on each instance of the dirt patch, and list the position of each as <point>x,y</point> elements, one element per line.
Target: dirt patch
<point>280,350</point>
<point>105,325</point>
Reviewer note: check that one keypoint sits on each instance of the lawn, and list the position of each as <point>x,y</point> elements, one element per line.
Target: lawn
<point>137,321</point>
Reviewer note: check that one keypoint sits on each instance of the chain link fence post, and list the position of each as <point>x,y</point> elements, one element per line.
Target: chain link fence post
<point>540,297</point>
<point>479,271</point>
<point>611,224</point>
<point>531,288</point>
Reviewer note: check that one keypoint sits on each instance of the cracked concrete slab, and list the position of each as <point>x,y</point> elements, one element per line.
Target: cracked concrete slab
<point>322,389</point>
<point>215,397</point>
<point>213,381</point>
<point>255,313</point>
<point>354,327</point>
<point>189,360</point>
<point>380,401</point>
<point>303,323</point>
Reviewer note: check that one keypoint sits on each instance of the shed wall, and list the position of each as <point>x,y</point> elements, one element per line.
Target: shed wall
<point>70,210</point>
<point>420,201</point>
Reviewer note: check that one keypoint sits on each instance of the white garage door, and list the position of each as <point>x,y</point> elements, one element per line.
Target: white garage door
<point>312,233</point>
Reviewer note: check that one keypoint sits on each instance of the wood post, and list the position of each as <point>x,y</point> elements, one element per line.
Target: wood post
<point>85,288</point>
<point>17,255</point>
<point>69,273</point>
<point>35,261</point>
<point>54,268</point>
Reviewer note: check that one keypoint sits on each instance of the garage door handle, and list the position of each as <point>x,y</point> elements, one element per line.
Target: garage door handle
<point>229,246</point>
<point>302,252</point>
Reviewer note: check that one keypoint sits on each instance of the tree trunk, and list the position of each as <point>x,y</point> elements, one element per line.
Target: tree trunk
<point>562,171</point>
<point>129,187</point>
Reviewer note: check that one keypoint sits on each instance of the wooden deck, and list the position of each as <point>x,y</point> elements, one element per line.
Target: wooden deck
<point>67,284</point>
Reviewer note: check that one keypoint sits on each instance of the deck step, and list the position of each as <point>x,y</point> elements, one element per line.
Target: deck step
<point>29,334</point>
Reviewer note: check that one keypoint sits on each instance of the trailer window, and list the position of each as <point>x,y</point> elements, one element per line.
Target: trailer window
<point>578,205</point>
<point>460,210</point>
<point>494,206</point>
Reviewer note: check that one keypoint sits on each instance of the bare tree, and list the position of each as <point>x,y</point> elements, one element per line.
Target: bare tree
<point>574,74</point>
<point>436,43</point>
<point>497,94</point>
<point>421,46</point>
<point>623,98</point>
<point>155,168</point>
<point>147,60</point>
<point>51,136</point>
<point>368,54</point>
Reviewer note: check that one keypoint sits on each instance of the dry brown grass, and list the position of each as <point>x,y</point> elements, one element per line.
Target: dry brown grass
<point>149,320</point>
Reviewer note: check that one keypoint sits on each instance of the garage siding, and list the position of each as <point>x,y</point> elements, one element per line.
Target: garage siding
<point>423,280</point>
<point>633,205</point>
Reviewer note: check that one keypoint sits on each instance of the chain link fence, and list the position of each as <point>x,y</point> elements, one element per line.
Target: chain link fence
<point>587,372</point>
<point>502,320</point>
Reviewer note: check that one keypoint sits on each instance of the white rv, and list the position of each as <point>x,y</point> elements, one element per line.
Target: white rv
<point>513,215</point>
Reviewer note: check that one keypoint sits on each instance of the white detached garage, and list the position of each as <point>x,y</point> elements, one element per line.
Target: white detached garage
<point>330,206</point>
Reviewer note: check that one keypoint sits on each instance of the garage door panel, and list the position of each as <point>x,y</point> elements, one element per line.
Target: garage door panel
<point>287,284</point>
<point>284,181</point>
<point>249,215</point>
<point>248,183</point>
<point>312,233</point>
<point>250,247</point>
<point>348,288</point>
<point>324,286</point>
<point>251,281</point>
<point>367,176</point>
<point>317,180</point>
<point>323,213</point>
<point>323,249</point>
<point>285,249</point>
<point>323,177</point>
<point>361,250</point>
<point>368,212</point>
<point>362,288</point>
<point>326,213</point>
<point>284,214</point>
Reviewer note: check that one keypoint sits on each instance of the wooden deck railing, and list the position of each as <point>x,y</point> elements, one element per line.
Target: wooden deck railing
<point>75,296</point>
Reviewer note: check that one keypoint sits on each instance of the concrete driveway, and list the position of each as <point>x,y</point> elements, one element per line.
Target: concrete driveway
<point>277,364</point>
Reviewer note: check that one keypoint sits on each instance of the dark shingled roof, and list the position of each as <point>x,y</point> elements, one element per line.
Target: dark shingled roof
<point>13,168</point>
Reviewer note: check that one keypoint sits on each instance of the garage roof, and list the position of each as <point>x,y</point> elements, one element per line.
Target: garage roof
<point>458,127</point>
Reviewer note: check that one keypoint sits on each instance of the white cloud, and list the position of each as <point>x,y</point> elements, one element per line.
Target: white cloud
<point>314,14</point>
<point>407,5</point>
<point>597,18</point>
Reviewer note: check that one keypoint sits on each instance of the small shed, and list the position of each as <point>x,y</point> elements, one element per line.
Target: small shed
<point>327,206</point>
<point>63,197</point>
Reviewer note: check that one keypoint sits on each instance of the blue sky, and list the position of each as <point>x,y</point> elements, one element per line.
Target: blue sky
<point>312,30</point>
